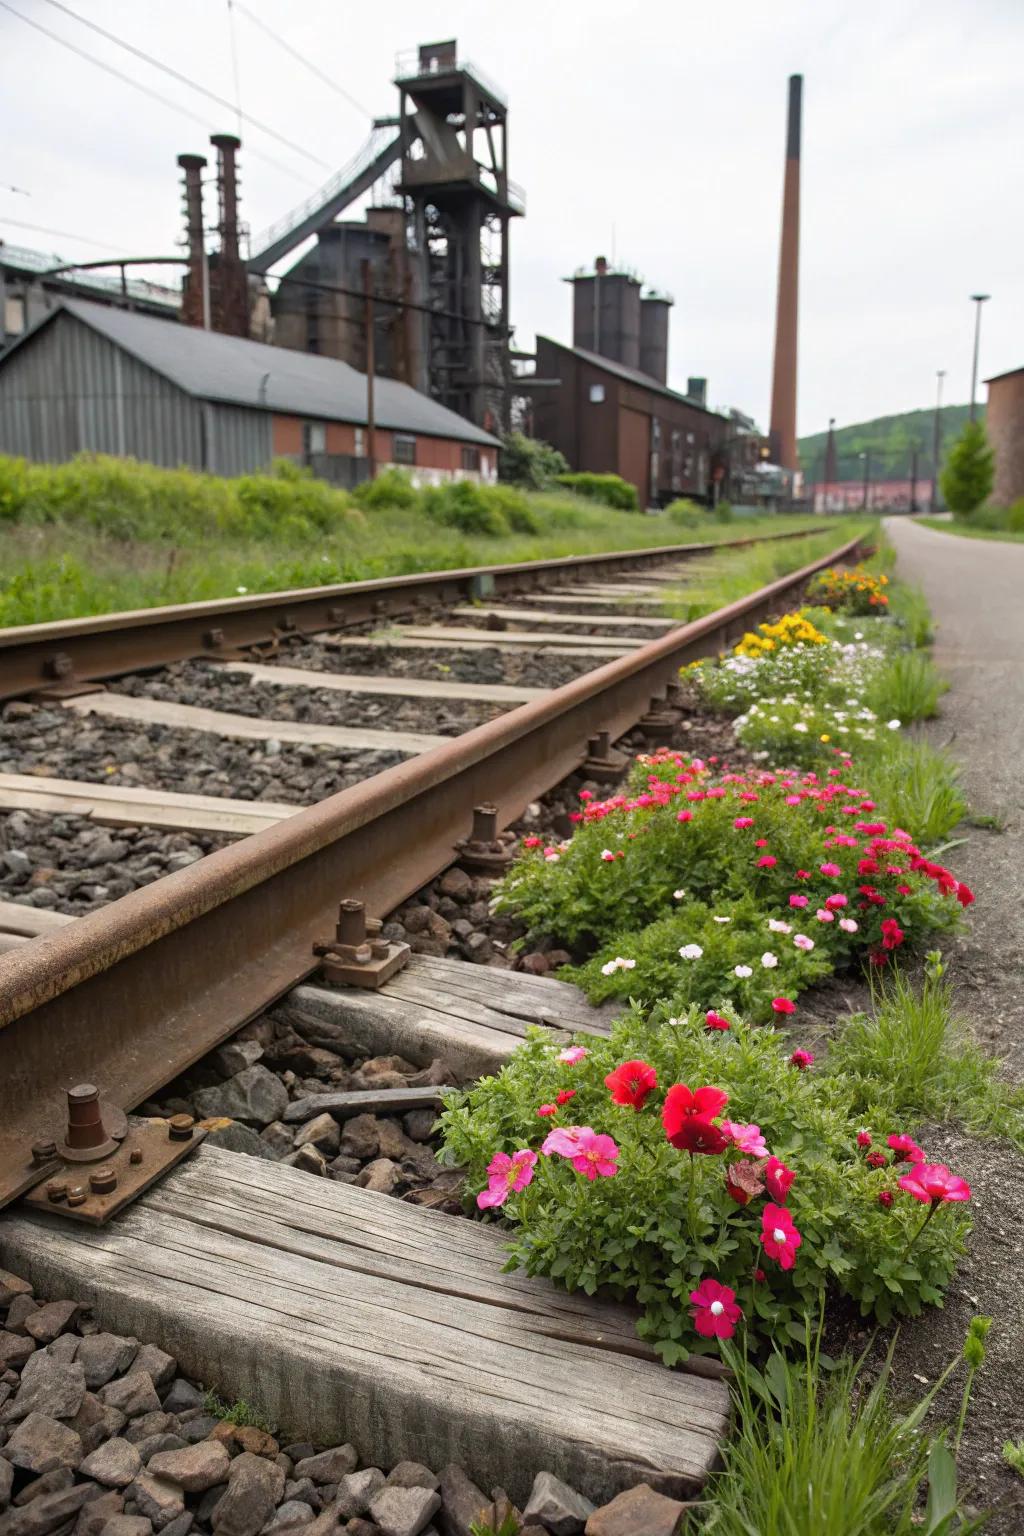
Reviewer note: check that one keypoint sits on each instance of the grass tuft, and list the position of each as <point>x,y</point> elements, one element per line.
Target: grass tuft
<point>240,1413</point>
<point>908,687</point>
<point>919,789</point>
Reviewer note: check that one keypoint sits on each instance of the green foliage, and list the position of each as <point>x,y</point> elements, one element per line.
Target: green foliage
<point>907,687</point>
<point>464,505</point>
<point>911,1061</point>
<point>970,471</point>
<point>508,1526</point>
<point>909,607</point>
<point>891,441</point>
<point>666,1218</point>
<point>611,490</point>
<point>686,514</point>
<point>529,463</point>
<point>919,789</point>
<point>737,571</point>
<point>1013,1455</point>
<point>391,488</point>
<point>240,1413</point>
<point>818,1448</point>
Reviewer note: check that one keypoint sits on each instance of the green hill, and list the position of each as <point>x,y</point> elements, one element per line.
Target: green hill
<point>891,440</point>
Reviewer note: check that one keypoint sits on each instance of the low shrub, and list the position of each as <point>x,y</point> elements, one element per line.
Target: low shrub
<point>612,490</point>
<point>467,506</point>
<point>686,514</point>
<point>850,591</point>
<point>919,789</point>
<point>908,687</point>
<point>391,488</point>
<point>617,1168</point>
<point>529,463</point>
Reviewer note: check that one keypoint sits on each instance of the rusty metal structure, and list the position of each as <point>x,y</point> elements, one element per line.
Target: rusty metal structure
<point>195,298</point>
<point>230,289</point>
<point>782,431</point>
<point>132,994</point>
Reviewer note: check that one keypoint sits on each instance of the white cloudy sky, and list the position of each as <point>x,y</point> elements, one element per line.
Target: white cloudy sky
<point>656,126</point>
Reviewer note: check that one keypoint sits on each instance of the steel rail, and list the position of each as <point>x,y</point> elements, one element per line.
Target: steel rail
<point>36,656</point>
<point>133,993</point>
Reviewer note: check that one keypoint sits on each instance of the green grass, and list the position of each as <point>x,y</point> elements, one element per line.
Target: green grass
<point>819,1450</point>
<point>970,531</point>
<point>241,1413</point>
<point>907,688</point>
<point>918,788</point>
<point>731,575</point>
<point>911,1060</point>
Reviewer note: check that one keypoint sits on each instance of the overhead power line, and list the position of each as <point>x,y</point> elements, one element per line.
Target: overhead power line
<point>61,234</point>
<point>300,58</point>
<point>194,85</point>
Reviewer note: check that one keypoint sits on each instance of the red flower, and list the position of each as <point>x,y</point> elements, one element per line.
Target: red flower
<point>759,1277</point>
<point>884,1197</point>
<point>933,1182</point>
<point>783,1005</point>
<point>906,1150</point>
<point>531,842</point>
<point>892,933</point>
<point>964,894</point>
<point>803,874</point>
<point>715,1313</point>
<point>631,1083</point>
<point>547,1109</point>
<point>779,1236</point>
<point>714,1020</point>
<point>767,861</point>
<point>867,867</point>
<point>863,1138</point>
<point>565,1095</point>
<point>802,1060</point>
<point>779,1179</point>
<point>687,1118</point>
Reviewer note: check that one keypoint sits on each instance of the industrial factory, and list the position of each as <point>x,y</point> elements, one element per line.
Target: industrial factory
<point>402,318</point>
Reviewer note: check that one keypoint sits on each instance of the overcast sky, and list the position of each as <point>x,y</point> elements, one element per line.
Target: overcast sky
<point>653,130</point>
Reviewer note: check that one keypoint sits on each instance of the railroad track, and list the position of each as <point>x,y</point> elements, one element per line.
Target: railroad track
<point>134,993</point>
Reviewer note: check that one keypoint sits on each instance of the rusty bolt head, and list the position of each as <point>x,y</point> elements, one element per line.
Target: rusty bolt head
<point>135,1156</point>
<point>43,1151</point>
<point>59,665</point>
<point>77,1194</point>
<point>180,1127</point>
<point>213,638</point>
<point>103,1181</point>
<point>56,1191</point>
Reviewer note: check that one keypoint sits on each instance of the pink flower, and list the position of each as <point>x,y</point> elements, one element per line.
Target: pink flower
<point>933,1182</point>
<point>831,870</point>
<point>796,900</point>
<point>572,1054</point>
<point>802,1060</point>
<point>747,1138</point>
<point>505,1176</point>
<point>564,1140</point>
<point>715,1313</point>
<point>714,1020</point>
<point>863,1138</point>
<point>884,1198</point>
<point>743,821</point>
<point>849,924</point>
<point>835,901</point>
<point>607,857</point>
<point>803,874</point>
<point>595,1156</point>
<point>802,941</point>
<point>783,1005</point>
<point>906,1150</point>
<point>684,815</point>
<point>767,862</point>
<point>824,916</point>
<point>547,1109</point>
<point>892,933</point>
<point>779,1179</point>
<point>779,1236</point>
<point>531,842</point>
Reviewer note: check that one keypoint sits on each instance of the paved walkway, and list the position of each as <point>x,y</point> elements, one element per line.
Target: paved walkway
<point>976,591</point>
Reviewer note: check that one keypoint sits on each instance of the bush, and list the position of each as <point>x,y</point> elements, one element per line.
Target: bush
<point>907,687</point>
<point>658,1221</point>
<point>858,591</point>
<point>391,488</point>
<point>686,514</point>
<point>14,488</point>
<point>970,471</point>
<point>1014,515</point>
<point>514,508</point>
<point>465,505</point>
<point>527,462</point>
<point>611,490</point>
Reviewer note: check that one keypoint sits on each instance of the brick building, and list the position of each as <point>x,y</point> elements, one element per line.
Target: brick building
<point>1004,420</point>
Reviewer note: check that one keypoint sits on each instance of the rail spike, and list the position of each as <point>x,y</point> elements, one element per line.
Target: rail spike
<point>357,956</point>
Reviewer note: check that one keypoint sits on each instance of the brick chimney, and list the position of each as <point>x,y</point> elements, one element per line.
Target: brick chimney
<point>193,308</point>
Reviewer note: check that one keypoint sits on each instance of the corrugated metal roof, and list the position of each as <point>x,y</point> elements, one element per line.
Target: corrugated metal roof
<point>232,369</point>
<point>631,375</point>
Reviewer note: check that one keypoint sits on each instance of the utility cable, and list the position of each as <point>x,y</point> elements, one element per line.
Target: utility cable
<point>61,234</point>
<point>175,74</point>
<point>301,59</point>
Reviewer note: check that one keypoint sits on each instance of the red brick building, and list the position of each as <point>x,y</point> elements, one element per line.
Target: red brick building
<point>1004,420</point>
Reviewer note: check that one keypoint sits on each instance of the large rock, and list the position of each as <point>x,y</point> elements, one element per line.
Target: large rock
<point>404,1511</point>
<point>246,1437</point>
<point>330,1466</point>
<point>288,1517</point>
<point>233,1136</point>
<point>382,1176</point>
<point>95,1422</point>
<point>50,1482</point>
<point>103,1356</point>
<point>39,1444</point>
<point>557,1507</point>
<point>97,1512</point>
<point>182,1396</point>
<point>412,1474</point>
<point>235,1056</point>
<point>50,1512</point>
<point>196,1468</point>
<point>256,1096</point>
<point>360,1137</point>
<point>15,1349</point>
<point>357,1490</point>
<point>11,1286</point>
<point>6,1482</point>
<point>322,1132</point>
<point>115,1463</point>
<point>160,1500</point>
<point>158,1365</point>
<point>19,1311</point>
<point>49,1386</point>
<point>638,1512</point>
<point>463,1504</point>
<point>55,1318</point>
<point>128,1525</point>
<point>255,1486</point>
<point>132,1394</point>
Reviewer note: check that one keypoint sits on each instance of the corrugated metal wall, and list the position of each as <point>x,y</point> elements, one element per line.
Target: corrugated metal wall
<point>69,390</point>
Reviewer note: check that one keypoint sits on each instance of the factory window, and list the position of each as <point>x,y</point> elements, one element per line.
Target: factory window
<point>358,442</point>
<point>470,458</point>
<point>14,316</point>
<point>314,438</point>
<point>405,449</point>
<point>596,394</point>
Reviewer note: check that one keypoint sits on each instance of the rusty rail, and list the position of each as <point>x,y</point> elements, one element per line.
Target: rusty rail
<point>105,645</point>
<point>132,994</point>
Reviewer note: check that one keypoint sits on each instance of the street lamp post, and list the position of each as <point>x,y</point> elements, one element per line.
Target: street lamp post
<point>977,299</point>
<point>940,374</point>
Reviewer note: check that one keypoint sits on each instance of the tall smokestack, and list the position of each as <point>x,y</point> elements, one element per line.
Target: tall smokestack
<point>231,291</point>
<point>782,433</point>
<point>193,298</point>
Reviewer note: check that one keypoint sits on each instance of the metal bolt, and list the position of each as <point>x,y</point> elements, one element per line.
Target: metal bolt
<point>351,926</point>
<point>598,745</point>
<point>180,1127</point>
<point>59,665</point>
<point>85,1122</point>
<point>135,1156</point>
<point>103,1181</point>
<point>43,1151</point>
<point>56,1191</point>
<point>485,824</point>
<point>77,1194</point>
<point>213,638</point>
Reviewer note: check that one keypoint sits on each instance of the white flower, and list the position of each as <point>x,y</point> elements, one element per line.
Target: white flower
<point>721,919</point>
<point>690,952</point>
<point>769,961</point>
<point>848,924</point>
<point>618,964</point>
<point>803,942</point>
<point>893,725</point>
<point>858,634</point>
<point>242,590</point>
<point>778,926</point>
<point>679,894</point>
<point>742,971</point>
<point>798,725</point>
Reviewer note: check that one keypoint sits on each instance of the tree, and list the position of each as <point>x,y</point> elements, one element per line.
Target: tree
<point>967,478</point>
<point>529,463</point>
